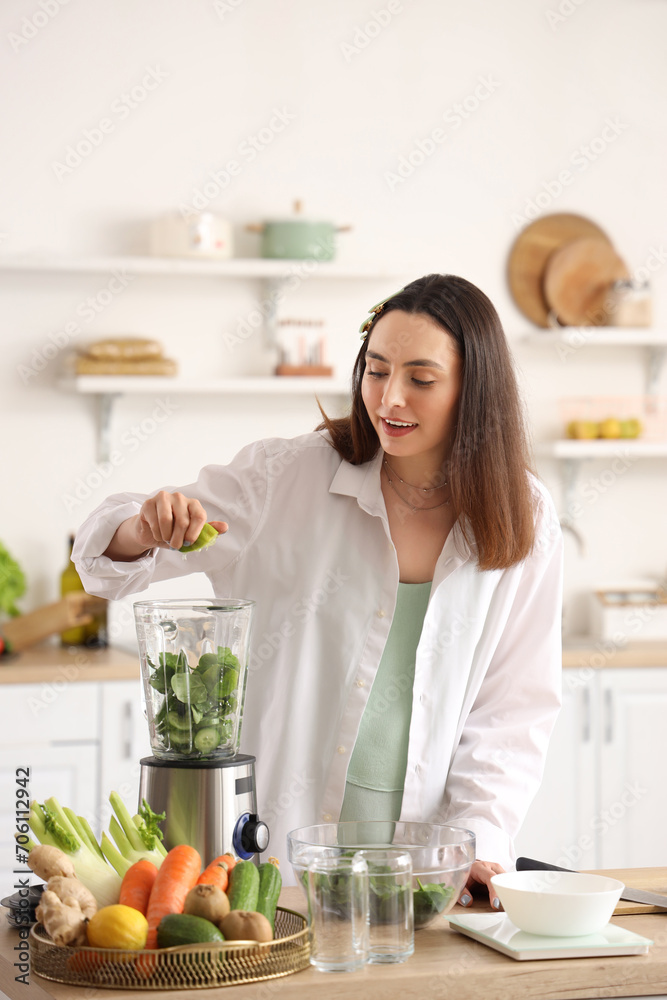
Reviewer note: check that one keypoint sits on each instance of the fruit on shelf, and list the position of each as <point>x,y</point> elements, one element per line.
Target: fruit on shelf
<point>582,430</point>
<point>631,428</point>
<point>611,428</point>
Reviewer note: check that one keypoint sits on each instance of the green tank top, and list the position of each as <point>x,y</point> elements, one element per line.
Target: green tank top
<point>376,773</point>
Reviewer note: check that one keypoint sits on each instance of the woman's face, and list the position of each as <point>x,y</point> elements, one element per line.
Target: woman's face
<point>411,386</point>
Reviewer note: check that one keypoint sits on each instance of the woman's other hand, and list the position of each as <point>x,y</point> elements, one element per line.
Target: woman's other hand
<point>165,521</point>
<point>481,873</point>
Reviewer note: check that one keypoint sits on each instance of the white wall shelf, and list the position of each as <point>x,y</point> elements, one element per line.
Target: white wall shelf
<point>116,385</point>
<point>617,447</point>
<point>238,267</point>
<point>572,453</point>
<point>109,388</point>
<point>654,342</point>
<point>599,336</point>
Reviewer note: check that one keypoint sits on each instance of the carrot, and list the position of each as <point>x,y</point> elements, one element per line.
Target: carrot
<point>137,883</point>
<point>217,873</point>
<point>177,874</point>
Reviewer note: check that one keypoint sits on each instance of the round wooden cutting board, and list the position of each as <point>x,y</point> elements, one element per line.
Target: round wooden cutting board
<point>530,253</point>
<point>578,280</point>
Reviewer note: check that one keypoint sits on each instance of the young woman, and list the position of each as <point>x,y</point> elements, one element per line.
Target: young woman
<point>407,571</point>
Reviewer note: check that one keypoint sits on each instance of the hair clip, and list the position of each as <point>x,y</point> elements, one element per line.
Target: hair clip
<point>374,313</point>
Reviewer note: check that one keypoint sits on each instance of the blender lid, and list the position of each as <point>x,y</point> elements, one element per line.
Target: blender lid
<point>194,764</point>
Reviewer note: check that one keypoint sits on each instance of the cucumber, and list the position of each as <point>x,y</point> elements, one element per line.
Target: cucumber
<point>243,888</point>
<point>270,884</point>
<point>184,928</point>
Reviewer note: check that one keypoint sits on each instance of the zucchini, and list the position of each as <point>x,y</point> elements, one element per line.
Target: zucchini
<point>243,888</point>
<point>270,884</point>
<point>184,928</point>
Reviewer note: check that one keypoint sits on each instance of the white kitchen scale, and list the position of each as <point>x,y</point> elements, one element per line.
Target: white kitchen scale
<point>497,931</point>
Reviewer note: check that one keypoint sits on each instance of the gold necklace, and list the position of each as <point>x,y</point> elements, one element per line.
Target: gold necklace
<point>422,489</point>
<point>412,507</point>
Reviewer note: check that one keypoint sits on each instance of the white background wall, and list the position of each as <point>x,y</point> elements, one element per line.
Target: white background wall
<point>359,103</point>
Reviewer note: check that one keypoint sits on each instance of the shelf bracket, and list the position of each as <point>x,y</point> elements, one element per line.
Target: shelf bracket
<point>272,294</point>
<point>570,469</point>
<point>105,408</point>
<point>655,361</point>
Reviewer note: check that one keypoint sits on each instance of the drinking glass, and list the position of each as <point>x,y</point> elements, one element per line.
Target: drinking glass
<point>338,911</point>
<point>390,904</point>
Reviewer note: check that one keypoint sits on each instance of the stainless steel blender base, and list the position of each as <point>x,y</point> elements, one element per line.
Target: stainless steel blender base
<point>211,805</point>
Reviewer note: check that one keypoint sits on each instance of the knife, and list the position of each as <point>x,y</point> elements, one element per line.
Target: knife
<point>634,895</point>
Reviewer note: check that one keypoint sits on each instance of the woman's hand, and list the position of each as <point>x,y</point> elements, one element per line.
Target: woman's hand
<point>481,873</point>
<point>165,521</point>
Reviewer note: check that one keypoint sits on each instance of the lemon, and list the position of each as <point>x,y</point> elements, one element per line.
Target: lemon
<point>118,926</point>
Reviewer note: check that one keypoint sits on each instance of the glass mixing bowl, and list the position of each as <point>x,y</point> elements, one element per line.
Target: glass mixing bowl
<point>441,856</point>
<point>194,660</point>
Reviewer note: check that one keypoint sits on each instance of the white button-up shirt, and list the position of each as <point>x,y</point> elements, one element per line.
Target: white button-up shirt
<point>309,541</point>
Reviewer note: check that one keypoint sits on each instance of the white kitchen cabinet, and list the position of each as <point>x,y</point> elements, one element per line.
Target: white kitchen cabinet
<point>123,742</point>
<point>633,750</point>
<point>52,729</point>
<point>602,802</point>
<point>558,828</point>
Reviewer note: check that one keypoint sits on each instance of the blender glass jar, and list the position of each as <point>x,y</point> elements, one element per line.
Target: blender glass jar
<point>194,659</point>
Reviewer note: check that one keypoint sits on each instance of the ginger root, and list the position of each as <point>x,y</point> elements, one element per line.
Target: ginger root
<point>71,888</point>
<point>47,861</point>
<point>64,922</point>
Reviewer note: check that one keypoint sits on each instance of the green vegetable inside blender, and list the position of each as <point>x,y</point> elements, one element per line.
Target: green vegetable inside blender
<point>192,717</point>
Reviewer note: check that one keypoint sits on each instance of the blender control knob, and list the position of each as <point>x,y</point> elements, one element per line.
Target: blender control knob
<point>251,836</point>
<point>255,835</point>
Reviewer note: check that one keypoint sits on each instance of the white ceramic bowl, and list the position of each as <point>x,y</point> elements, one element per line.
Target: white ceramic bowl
<point>558,904</point>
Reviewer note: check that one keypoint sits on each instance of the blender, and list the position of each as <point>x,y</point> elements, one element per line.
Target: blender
<point>194,659</point>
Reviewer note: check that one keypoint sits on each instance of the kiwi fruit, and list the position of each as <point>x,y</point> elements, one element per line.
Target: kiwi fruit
<point>207,537</point>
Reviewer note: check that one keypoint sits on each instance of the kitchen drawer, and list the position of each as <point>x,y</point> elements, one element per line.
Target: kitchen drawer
<point>57,712</point>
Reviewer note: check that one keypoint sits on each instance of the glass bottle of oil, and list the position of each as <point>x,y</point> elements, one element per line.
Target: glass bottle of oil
<point>94,634</point>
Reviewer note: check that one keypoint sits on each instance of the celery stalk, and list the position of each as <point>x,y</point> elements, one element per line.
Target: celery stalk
<point>51,825</point>
<point>114,857</point>
<point>91,836</point>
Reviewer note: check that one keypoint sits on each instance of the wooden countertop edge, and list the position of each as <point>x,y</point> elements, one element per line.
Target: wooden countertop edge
<point>595,654</point>
<point>49,663</point>
<point>445,964</point>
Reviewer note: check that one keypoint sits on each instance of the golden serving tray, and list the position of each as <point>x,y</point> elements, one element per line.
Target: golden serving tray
<point>193,966</point>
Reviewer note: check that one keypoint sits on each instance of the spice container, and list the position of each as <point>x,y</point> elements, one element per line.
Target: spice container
<point>630,303</point>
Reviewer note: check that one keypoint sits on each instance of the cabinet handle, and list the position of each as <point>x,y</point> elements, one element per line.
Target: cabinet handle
<point>608,716</point>
<point>127,730</point>
<point>586,725</point>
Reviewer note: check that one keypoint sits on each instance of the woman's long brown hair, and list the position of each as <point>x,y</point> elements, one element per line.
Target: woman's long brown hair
<point>490,489</point>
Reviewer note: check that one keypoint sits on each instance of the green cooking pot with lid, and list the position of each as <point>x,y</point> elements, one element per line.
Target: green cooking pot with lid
<point>298,238</point>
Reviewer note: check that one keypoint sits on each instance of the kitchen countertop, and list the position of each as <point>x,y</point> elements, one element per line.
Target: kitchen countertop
<point>587,651</point>
<point>49,661</point>
<point>445,964</point>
